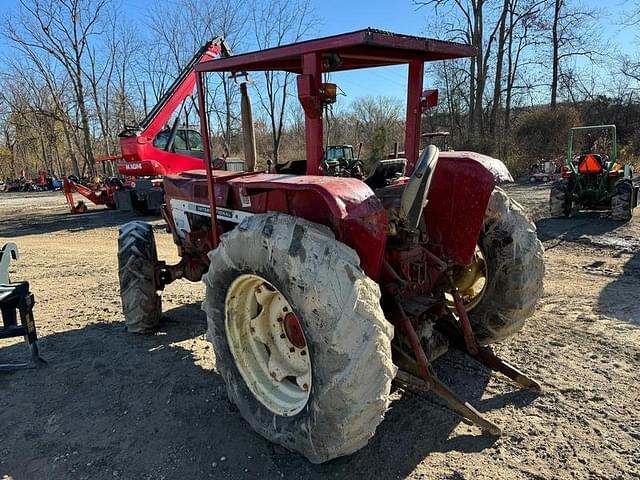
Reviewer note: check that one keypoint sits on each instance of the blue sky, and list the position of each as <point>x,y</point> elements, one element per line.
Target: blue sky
<point>347,15</point>
<point>403,16</point>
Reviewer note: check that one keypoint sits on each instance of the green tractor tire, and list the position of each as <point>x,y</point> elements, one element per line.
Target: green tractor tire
<point>560,199</point>
<point>621,208</point>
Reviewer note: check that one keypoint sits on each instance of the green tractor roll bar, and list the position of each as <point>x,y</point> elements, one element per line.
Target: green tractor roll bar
<point>614,141</point>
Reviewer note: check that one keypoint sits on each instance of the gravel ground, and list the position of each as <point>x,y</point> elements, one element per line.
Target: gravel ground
<point>114,405</point>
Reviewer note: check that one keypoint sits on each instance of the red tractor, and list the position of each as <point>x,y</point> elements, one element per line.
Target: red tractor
<point>321,290</point>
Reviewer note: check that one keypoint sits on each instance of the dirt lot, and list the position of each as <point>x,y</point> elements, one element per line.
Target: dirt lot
<point>115,405</point>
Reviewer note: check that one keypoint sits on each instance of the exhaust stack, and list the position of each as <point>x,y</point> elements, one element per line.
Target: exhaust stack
<point>248,132</point>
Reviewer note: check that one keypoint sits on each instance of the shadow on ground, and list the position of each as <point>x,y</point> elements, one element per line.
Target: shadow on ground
<point>619,299</point>
<point>36,223</point>
<point>112,404</point>
<point>577,227</point>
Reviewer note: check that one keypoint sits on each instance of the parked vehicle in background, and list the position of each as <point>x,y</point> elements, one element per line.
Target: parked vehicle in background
<point>594,179</point>
<point>543,171</point>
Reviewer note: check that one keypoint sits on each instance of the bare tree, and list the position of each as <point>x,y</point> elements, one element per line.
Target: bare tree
<point>277,22</point>
<point>470,23</point>
<point>497,84</point>
<point>180,39</point>
<point>62,29</point>
<point>379,121</point>
<point>571,28</point>
<point>523,33</point>
<point>36,89</point>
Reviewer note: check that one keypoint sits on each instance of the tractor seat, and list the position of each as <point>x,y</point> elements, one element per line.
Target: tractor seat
<point>292,167</point>
<point>414,197</point>
<point>590,163</point>
<point>385,171</point>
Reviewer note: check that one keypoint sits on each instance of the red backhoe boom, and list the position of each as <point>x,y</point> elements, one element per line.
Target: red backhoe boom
<point>151,149</point>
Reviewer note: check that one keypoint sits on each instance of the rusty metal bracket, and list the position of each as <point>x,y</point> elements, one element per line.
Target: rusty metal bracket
<point>464,409</point>
<point>428,380</point>
<point>453,331</point>
<point>463,319</point>
<point>495,363</point>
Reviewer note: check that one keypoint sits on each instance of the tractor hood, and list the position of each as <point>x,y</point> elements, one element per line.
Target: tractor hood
<point>497,168</point>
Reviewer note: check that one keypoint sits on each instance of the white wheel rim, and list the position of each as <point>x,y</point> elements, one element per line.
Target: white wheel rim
<point>259,323</point>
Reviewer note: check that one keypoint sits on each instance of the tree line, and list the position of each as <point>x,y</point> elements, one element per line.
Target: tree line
<point>78,71</point>
<point>542,67</point>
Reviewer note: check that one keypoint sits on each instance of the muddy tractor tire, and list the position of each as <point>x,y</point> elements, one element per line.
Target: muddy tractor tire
<point>137,260</point>
<point>515,265</point>
<point>560,199</point>
<point>299,335</point>
<point>621,201</point>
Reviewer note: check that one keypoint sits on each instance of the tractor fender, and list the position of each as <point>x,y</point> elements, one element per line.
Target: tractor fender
<point>346,205</point>
<point>456,203</point>
<point>497,168</point>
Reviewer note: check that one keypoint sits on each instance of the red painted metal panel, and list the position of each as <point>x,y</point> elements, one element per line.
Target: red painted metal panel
<point>457,200</point>
<point>142,158</point>
<point>313,116</point>
<point>346,205</point>
<point>414,115</point>
<point>498,169</point>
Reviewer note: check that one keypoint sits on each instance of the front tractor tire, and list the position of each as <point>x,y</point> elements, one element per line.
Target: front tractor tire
<point>621,208</point>
<point>299,335</point>
<point>137,261</point>
<point>560,199</point>
<point>515,270</point>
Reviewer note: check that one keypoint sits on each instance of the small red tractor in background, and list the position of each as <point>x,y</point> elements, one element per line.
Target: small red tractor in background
<point>152,148</point>
<point>320,289</point>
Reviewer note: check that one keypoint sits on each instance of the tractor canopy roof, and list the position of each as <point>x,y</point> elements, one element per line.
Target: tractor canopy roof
<point>348,51</point>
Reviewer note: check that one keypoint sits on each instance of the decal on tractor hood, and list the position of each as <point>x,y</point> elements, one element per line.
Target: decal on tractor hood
<point>180,208</point>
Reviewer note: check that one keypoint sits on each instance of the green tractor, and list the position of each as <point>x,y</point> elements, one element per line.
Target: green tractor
<point>593,179</point>
<point>339,161</point>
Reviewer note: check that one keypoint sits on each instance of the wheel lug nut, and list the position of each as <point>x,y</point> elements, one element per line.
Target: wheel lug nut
<point>282,335</point>
<point>279,320</point>
<point>292,349</point>
<point>285,309</point>
<point>303,352</point>
<point>305,386</point>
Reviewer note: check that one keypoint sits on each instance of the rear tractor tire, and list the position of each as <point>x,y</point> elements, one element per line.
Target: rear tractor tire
<point>514,267</point>
<point>299,335</point>
<point>137,260</point>
<point>621,201</point>
<point>560,199</point>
